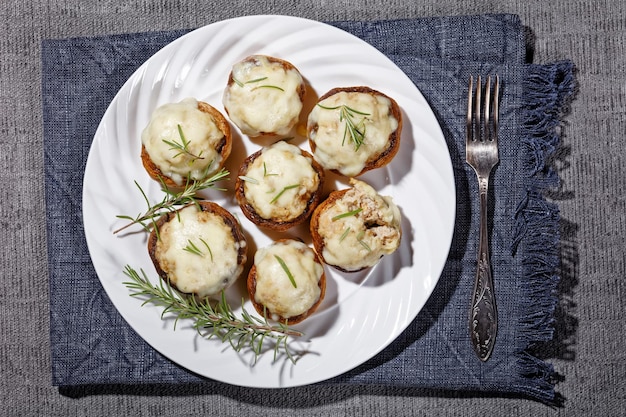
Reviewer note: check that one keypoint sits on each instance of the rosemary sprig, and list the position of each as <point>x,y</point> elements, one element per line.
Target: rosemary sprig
<point>210,321</point>
<point>281,192</point>
<point>192,248</point>
<point>286,269</point>
<point>183,146</point>
<point>356,131</point>
<point>347,214</point>
<point>170,201</point>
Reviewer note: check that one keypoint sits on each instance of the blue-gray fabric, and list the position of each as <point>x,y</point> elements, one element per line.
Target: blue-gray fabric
<point>92,344</point>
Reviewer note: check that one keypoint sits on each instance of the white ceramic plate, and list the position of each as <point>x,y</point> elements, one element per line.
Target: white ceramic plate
<point>363,312</point>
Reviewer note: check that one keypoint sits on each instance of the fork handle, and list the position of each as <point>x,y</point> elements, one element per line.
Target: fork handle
<point>483,323</point>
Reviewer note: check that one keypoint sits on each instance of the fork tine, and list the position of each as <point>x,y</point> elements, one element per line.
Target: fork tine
<point>487,109</point>
<point>482,109</point>
<point>477,103</point>
<point>496,99</point>
<point>468,122</point>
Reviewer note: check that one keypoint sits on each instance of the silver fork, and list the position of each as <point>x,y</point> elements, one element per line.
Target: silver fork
<point>481,152</point>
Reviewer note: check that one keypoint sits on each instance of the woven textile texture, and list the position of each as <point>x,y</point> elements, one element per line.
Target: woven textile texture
<point>587,346</point>
<point>91,343</point>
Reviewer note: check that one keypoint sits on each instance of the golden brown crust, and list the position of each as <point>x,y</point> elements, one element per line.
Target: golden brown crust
<point>261,309</point>
<point>206,206</point>
<point>224,148</point>
<point>277,224</point>
<point>393,143</point>
<point>287,66</point>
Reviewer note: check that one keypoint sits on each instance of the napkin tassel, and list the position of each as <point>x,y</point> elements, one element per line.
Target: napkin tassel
<point>547,89</point>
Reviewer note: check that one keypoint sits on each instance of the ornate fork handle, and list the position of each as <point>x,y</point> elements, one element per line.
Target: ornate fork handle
<point>482,154</point>
<point>484,317</point>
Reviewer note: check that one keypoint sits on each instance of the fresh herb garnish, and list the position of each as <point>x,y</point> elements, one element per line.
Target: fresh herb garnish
<point>277,196</point>
<point>344,234</point>
<point>192,248</point>
<point>183,146</point>
<point>248,179</point>
<point>206,245</point>
<point>268,86</point>
<point>213,321</point>
<point>171,201</point>
<point>347,214</point>
<point>286,269</point>
<point>256,80</point>
<point>359,238</point>
<point>265,173</point>
<point>354,130</point>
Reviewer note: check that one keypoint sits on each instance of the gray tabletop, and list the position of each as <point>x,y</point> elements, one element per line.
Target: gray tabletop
<point>587,352</point>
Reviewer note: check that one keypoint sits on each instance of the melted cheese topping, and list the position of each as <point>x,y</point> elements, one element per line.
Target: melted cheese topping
<point>280,182</point>
<point>327,128</point>
<point>200,132</point>
<point>359,240</point>
<point>209,272</point>
<point>264,97</point>
<point>275,291</point>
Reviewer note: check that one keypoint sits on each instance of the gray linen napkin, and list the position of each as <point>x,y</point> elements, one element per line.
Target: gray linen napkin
<point>92,344</point>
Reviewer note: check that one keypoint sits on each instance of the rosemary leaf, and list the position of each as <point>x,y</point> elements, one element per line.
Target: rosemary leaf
<point>206,245</point>
<point>277,196</point>
<point>259,346</point>
<point>359,238</point>
<point>286,269</point>
<point>344,234</point>
<point>256,80</point>
<point>265,173</point>
<point>347,214</point>
<point>216,321</point>
<point>365,245</point>
<point>192,248</point>
<point>249,179</point>
<point>268,86</point>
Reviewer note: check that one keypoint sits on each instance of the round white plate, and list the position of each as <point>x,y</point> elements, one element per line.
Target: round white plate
<point>362,312</point>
